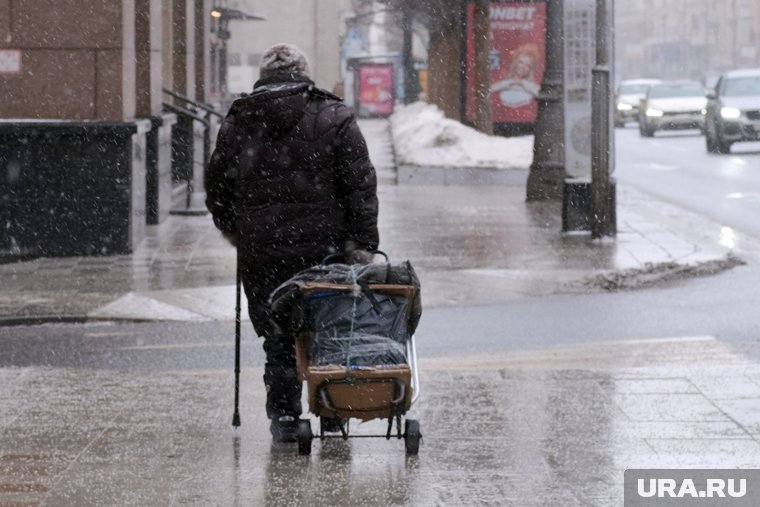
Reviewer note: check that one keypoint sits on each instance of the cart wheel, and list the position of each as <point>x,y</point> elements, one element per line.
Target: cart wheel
<point>412,436</point>
<point>331,424</point>
<point>304,436</point>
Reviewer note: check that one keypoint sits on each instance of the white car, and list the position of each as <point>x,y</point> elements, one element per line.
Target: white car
<point>673,105</point>
<point>627,98</point>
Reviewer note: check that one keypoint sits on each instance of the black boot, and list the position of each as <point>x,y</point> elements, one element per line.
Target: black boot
<point>283,428</point>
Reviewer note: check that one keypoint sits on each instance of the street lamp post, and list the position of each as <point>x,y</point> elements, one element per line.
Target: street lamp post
<point>224,15</point>
<point>602,148</point>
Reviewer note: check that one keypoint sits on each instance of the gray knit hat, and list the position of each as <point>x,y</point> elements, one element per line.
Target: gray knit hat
<point>283,59</point>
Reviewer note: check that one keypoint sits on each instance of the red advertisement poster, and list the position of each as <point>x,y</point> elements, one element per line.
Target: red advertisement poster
<point>376,90</point>
<point>516,60</point>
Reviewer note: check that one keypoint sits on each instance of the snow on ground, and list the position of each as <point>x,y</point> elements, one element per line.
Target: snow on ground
<point>423,136</point>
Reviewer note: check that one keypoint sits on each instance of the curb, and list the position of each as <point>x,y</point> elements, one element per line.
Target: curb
<point>465,176</point>
<point>37,320</point>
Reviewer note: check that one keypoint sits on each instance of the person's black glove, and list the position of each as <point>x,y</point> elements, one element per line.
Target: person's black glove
<point>355,255</point>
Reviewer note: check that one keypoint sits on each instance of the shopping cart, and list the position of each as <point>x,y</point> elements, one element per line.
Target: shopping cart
<point>355,349</point>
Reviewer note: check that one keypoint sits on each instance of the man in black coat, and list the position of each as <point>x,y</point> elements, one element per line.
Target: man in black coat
<point>289,183</point>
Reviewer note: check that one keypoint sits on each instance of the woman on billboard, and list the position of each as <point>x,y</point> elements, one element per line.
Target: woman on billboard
<point>519,87</point>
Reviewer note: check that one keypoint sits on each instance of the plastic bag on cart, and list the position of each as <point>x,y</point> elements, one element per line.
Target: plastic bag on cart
<point>357,351</point>
<point>357,329</point>
<point>287,303</point>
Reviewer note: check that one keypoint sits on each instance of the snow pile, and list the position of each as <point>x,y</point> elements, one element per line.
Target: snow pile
<point>423,136</point>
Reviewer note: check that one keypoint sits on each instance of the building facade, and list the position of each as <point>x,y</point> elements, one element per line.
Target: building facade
<point>685,39</point>
<point>316,27</point>
<point>104,121</point>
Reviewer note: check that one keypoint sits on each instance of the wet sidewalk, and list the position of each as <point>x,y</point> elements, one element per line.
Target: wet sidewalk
<point>534,428</point>
<point>472,245</point>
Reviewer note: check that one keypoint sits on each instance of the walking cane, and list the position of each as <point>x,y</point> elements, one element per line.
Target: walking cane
<point>236,415</point>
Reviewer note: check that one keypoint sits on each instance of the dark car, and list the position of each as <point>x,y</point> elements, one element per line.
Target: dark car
<point>733,110</point>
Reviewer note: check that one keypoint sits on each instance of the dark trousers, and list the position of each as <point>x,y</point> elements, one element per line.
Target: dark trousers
<point>261,275</point>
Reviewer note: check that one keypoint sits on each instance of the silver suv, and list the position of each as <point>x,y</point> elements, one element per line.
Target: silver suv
<point>733,110</point>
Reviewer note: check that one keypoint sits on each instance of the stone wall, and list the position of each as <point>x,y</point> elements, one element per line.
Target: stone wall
<point>76,62</point>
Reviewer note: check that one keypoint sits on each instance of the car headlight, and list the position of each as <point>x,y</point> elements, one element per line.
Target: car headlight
<point>654,112</point>
<point>622,106</point>
<point>730,112</point>
<point>704,112</point>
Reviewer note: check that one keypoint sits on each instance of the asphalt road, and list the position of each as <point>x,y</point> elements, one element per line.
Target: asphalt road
<point>675,167</point>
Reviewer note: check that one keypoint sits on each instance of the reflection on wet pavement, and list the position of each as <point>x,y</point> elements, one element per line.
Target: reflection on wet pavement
<point>550,427</point>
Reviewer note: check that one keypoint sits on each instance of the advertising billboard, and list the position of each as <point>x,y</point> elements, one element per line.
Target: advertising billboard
<point>516,60</point>
<point>376,89</point>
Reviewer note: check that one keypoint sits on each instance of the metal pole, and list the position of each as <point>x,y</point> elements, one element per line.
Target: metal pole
<point>410,88</point>
<point>602,196</point>
<point>224,36</point>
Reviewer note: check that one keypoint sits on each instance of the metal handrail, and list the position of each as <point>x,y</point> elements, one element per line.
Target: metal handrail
<point>187,112</point>
<point>194,103</point>
<point>182,111</point>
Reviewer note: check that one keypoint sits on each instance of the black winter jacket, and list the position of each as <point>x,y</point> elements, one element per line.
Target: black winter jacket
<point>290,174</point>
